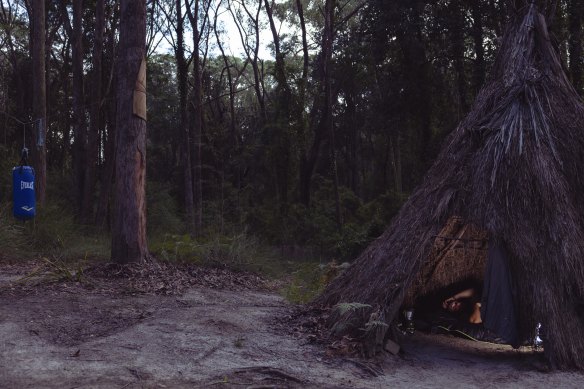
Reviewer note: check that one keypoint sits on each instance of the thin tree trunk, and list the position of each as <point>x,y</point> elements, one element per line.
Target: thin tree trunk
<point>101,214</point>
<point>417,72</point>
<point>458,48</point>
<point>305,57</point>
<point>232,124</point>
<point>74,31</point>
<point>232,127</point>
<point>479,73</point>
<point>129,226</point>
<point>94,115</point>
<point>282,116</point>
<point>353,146</point>
<point>65,71</point>
<point>575,15</point>
<point>197,139</point>
<point>182,81</point>
<point>308,158</point>
<point>327,47</point>
<point>395,155</point>
<point>197,103</point>
<point>39,99</point>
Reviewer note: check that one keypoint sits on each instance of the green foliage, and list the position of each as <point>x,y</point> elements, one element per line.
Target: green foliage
<point>305,283</point>
<point>348,318</point>
<point>236,252</point>
<point>162,210</point>
<point>7,162</point>
<point>52,233</point>
<point>55,233</point>
<point>13,238</point>
<point>55,270</point>
<point>317,227</point>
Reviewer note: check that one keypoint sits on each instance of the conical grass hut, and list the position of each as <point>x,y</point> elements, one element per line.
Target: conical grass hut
<point>514,169</point>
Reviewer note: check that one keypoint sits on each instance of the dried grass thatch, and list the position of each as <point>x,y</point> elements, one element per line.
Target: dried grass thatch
<point>459,252</point>
<point>518,176</point>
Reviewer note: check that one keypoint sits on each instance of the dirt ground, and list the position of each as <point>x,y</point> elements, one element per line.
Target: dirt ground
<point>215,334</point>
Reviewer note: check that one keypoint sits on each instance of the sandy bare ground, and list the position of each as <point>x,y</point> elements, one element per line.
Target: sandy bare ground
<point>67,335</point>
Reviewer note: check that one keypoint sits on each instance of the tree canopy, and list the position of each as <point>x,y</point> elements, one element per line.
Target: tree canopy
<point>316,144</point>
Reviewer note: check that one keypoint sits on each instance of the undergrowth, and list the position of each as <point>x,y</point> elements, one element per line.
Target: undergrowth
<point>53,233</point>
<point>13,237</point>
<point>64,247</point>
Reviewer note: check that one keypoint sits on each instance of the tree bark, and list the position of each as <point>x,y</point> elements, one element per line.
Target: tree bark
<point>129,226</point>
<point>182,81</point>
<point>282,116</point>
<point>417,73</point>
<point>197,135</point>
<point>575,15</point>
<point>102,213</point>
<point>39,99</point>
<point>327,47</point>
<point>232,122</point>
<point>353,146</point>
<point>480,69</point>
<point>458,48</point>
<point>94,115</point>
<point>308,159</point>
<point>197,123</point>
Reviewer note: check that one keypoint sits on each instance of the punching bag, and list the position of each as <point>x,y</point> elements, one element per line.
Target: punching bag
<point>23,194</point>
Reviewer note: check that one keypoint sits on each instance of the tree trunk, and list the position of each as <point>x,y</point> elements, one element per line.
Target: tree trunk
<point>282,116</point>
<point>417,73</point>
<point>129,226</point>
<point>458,48</point>
<point>232,123</point>
<point>102,212</point>
<point>197,121</point>
<point>479,73</point>
<point>327,48</point>
<point>395,159</point>
<point>323,103</point>
<point>575,15</point>
<point>74,30</point>
<point>39,99</point>
<point>353,146</point>
<point>182,81</point>
<point>308,158</point>
<point>95,116</point>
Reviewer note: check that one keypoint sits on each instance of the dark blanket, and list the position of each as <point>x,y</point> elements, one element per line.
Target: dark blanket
<point>497,304</point>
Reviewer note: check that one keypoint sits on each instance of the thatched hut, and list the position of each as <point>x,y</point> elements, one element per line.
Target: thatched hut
<point>513,169</point>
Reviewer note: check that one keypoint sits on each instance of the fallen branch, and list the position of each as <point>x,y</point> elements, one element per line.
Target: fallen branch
<point>272,371</point>
<point>375,372</point>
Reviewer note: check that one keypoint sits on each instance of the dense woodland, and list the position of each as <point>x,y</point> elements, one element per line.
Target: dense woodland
<point>316,145</point>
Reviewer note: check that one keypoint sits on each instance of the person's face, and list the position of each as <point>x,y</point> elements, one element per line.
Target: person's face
<point>454,306</point>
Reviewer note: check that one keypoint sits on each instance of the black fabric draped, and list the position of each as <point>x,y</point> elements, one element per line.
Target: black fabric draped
<point>497,304</point>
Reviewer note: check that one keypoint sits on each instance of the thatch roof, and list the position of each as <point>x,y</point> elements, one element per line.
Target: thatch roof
<point>514,168</point>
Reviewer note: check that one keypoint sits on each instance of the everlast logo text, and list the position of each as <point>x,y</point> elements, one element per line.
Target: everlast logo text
<point>26,185</point>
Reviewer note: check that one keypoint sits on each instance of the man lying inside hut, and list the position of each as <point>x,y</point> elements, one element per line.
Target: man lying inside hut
<point>481,311</point>
<point>465,301</point>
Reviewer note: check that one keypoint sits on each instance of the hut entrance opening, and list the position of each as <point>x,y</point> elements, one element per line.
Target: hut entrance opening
<point>464,283</point>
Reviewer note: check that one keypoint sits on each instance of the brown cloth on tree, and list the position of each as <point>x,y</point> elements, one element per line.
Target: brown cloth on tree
<point>139,108</point>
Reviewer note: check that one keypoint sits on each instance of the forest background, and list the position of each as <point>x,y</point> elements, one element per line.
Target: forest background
<point>253,161</point>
